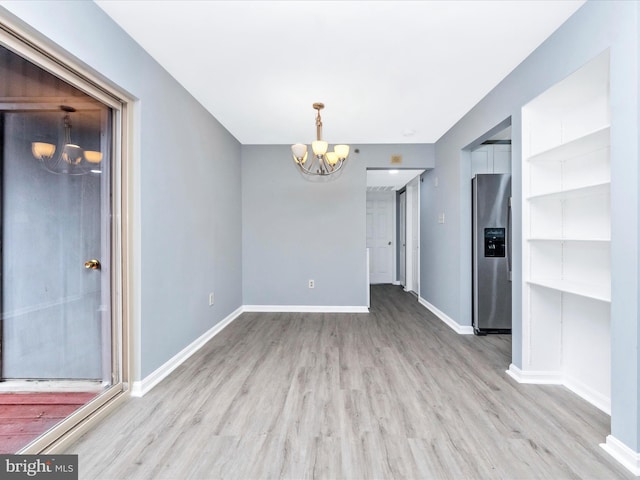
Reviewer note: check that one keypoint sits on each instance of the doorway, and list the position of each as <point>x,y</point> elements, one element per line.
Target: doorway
<point>380,236</point>
<point>393,237</point>
<point>490,228</point>
<point>61,325</point>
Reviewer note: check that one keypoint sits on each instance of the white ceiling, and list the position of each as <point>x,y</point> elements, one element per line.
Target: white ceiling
<point>387,71</point>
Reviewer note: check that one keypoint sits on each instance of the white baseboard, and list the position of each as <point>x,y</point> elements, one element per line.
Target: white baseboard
<point>144,386</point>
<point>530,376</point>
<point>396,282</point>
<point>558,378</point>
<point>589,394</point>
<point>455,326</point>
<point>306,308</point>
<point>623,454</point>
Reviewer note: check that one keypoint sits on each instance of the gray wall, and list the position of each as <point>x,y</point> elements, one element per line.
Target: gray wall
<point>295,230</point>
<point>446,249</point>
<point>190,214</point>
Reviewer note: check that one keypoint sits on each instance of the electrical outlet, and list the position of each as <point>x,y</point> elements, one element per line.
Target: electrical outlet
<point>441,218</point>
<point>312,284</point>
<point>211,299</point>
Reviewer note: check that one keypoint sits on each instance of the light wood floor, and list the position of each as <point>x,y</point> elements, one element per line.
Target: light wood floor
<point>390,394</point>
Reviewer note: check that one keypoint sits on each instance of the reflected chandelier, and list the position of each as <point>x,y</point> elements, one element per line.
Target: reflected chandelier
<point>71,159</point>
<point>322,162</point>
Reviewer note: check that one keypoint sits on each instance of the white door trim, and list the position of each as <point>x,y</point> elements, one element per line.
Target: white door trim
<point>412,237</point>
<point>402,240</point>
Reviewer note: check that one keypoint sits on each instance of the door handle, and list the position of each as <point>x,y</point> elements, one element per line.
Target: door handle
<point>92,264</point>
<point>389,243</point>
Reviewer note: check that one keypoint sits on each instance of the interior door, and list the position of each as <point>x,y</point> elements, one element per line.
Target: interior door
<point>380,225</point>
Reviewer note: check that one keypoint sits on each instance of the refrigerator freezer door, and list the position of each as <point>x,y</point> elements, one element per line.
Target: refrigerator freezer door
<point>491,276</point>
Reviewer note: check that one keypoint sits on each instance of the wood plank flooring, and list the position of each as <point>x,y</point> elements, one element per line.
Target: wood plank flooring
<point>390,394</point>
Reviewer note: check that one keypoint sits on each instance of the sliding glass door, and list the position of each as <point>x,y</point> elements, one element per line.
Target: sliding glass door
<point>60,339</point>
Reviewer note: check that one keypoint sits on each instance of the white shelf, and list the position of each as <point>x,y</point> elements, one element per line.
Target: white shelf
<point>557,239</point>
<point>596,292</point>
<point>566,218</point>
<point>593,141</point>
<point>585,191</point>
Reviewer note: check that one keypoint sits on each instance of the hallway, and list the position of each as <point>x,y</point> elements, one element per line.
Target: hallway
<point>390,394</point>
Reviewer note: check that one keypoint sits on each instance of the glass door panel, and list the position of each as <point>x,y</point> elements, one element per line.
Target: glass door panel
<point>52,225</point>
<point>55,188</point>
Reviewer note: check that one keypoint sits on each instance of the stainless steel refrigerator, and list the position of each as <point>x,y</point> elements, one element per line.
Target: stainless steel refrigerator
<point>491,194</point>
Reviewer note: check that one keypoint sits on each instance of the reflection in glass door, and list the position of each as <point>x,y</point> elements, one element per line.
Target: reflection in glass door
<point>55,191</point>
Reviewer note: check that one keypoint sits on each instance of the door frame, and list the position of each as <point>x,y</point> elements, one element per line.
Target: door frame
<point>412,236</point>
<point>125,278</point>
<point>402,240</point>
<point>415,221</point>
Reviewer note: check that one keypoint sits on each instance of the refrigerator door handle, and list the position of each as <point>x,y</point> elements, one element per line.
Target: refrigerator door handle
<point>509,237</point>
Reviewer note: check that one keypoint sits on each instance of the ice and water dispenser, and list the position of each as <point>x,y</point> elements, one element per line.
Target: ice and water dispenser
<point>494,242</point>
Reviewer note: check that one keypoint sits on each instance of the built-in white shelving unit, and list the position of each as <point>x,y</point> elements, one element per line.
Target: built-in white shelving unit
<point>567,234</point>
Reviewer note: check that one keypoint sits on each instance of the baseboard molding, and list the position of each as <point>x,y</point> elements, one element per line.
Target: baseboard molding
<point>306,308</point>
<point>455,326</point>
<point>589,394</point>
<point>623,454</point>
<point>558,378</point>
<point>534,377</point>
<point>144,386</point>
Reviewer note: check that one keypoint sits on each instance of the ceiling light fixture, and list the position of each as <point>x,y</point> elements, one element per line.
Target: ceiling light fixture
<point>72,159</point>
<point>322,162</point>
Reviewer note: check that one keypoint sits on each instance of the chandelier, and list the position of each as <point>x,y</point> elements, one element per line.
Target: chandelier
<point>322,162</point>
<point>71,159</point>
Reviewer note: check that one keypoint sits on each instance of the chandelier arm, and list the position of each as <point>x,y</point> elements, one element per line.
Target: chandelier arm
<point>311,170</point>
<point>53,164</point>
<point>306,170</point>
<point>322,164</point>
<point>338,166</point>
<point>327,172</point>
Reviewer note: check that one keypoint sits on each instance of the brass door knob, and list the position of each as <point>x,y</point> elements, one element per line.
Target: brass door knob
<point>93,264</point>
